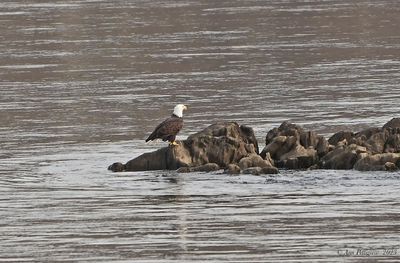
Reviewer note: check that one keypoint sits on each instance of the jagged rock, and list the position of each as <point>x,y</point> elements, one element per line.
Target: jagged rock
<point>229,129</point>
<point>377,162</point>
<point>269,159</point>
<point>220,143</point>
<point>392,143</point>
<point>253,160</point>
<point>340,136</point>
<point>342,157</point>
<point>393,123</point>
<point>376,143</point>
<point>209,167</point>
<point>279,146</point>
<point>289,142</point>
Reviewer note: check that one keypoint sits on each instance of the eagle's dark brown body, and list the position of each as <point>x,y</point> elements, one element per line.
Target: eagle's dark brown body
<point>167,130</point>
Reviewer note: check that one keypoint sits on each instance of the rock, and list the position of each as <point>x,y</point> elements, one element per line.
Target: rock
<point>342,158</point>
<point>269,170</point>
<point>185,169</point>
<point>253,160</point>
<point>229,129</point>
<point>252,170</point>
<point>377,162</point>
<point>393,123</point>
<point>234,148</point>
<point>279,146</point>
<point>209,167</point>
<point>269,159</point>
<point>259,170</point>
<point>289,142</point>
<point>116,167</point>
<point>232,169</point>
<point>340,136</point>
<point>220,143</point>
<point>367,133</point>
<point>392,144</point>
<point>391,167</point>
<point>376,143</point>
<point>167,158</point>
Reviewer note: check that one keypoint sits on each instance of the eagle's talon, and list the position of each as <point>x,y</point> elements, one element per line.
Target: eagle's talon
<point>174,143</point>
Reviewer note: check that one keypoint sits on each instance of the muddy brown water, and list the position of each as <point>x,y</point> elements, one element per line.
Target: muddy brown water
<point>82,83</point>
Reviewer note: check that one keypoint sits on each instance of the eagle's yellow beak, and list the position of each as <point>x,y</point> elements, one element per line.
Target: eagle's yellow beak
<point>185,107</point>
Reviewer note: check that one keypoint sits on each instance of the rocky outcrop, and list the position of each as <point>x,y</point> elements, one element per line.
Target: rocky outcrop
<point>342,157</point>
<point>221,144</point>
<point>234,148</point>
<point>291,147</point>
<point>379,162</point>
<point>369,149</point>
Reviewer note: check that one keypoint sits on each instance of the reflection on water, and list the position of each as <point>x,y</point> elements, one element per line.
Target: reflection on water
<point>83,82</point>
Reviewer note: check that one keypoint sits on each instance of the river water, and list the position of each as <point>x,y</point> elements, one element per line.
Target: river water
<point>82,83</point>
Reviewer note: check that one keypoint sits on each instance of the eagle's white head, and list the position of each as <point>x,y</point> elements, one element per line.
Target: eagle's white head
<point>178,110</point>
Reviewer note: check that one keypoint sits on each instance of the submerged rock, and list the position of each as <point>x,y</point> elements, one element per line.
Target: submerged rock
<point>232,169</point>
<point>209,167</point>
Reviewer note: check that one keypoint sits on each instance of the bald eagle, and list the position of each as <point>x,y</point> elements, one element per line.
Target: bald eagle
<point>168,129</point>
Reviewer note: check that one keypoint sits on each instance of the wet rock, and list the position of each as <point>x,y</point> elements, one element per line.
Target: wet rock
<point>261,170</point>
<point>232,169</point>
<point>229,129</point>
<point>377,162</point>
<point>220,143</point>
<point>392,124</point>
<point>269,159</point>
<point>117,167</point>
<point>342,158</point>
<point>279,146</point>
<point>186,169</point>
<point>392,144</point>
<point>253,170</point>
<point>376,143</point>
<point>290,142</point>
<point>209,167</point>
<point>269,170</point>
<point>340,136</point>
<point>253,160</point>
<point>391,167</point>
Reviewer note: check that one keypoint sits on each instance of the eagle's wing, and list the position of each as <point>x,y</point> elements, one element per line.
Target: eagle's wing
<point>169,127</point>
